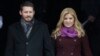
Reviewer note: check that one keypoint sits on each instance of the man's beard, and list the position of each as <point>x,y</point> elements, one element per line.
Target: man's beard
<point>30,19</point>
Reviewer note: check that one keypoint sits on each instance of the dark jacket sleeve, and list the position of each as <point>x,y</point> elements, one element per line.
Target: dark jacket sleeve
<point>10,44</point>
<point>86,47</point>
<point>48,44</point>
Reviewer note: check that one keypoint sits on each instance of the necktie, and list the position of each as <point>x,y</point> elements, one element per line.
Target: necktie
<point>28,26</point>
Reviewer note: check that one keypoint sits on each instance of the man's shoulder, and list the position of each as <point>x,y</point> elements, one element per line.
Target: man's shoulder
<point>14,25</point>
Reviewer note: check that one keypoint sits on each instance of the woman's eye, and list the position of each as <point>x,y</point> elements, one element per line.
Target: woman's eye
<point>70,18</point>
<point>65,18</point>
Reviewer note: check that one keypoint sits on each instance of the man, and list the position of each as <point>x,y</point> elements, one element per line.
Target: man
<point>1,22</point>
<point>34,41</point>
<point>1,36</point>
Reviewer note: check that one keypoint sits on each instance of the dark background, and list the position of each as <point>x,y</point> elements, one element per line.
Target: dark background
<point>47,11</point>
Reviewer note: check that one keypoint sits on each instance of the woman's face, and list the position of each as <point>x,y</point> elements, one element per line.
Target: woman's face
<point>68,20</point>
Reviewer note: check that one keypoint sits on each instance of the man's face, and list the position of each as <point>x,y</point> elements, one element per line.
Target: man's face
<point>27,13</point>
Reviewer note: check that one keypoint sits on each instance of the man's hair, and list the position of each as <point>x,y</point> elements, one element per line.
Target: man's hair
<point>26,3</point>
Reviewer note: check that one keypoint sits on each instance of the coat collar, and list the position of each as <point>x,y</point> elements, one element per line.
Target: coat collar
<point>20,29</point>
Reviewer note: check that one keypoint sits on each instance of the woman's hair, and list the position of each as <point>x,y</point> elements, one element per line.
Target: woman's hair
<point>77,25</point>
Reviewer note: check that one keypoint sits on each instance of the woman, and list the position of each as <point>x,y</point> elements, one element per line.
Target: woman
<point>70,37</point>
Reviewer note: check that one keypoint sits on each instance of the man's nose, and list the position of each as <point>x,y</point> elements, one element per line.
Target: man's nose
<point>28,13</point>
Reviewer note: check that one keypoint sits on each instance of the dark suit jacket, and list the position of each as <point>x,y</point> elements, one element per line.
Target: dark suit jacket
<point>38,43</point>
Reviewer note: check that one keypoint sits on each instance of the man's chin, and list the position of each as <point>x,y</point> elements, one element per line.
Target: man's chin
<point>28,20</point>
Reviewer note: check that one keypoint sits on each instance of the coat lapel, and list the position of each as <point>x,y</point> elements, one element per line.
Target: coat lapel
<point>34,29</point>
<point>21,32</point>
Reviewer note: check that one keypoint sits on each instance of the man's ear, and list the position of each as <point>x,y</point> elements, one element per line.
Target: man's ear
<point>20,12</point>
